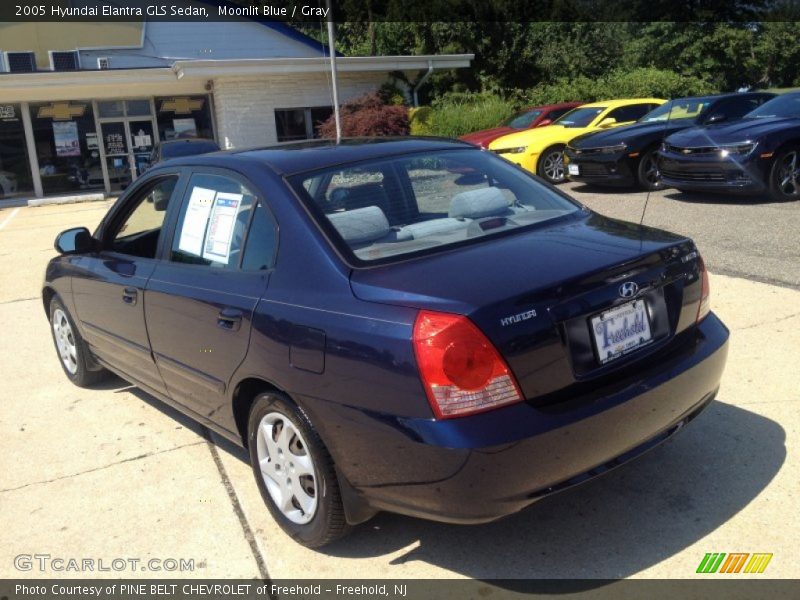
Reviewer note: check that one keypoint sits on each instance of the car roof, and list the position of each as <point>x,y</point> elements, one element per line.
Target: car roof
<point>296,157</point>
<point>622,102</point>
<point>188,141</point>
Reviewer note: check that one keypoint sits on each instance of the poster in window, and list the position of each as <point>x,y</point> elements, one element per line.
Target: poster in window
<point>65,134</point>
<point>220,227</point>
<point>195,221</point>
<point>185,128</point>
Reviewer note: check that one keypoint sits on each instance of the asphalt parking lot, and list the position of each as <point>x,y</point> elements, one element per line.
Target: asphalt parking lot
<point>111,472</point>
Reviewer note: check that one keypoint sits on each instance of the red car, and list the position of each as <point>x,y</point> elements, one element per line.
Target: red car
<point>533,116</point>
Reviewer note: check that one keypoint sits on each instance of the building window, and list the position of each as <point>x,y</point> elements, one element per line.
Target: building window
<point>15,169</point>
<point>300,123</point>
<point>64,61</point>
<point>184,117</point>
<point>67,146</point>
<point>21,62</point>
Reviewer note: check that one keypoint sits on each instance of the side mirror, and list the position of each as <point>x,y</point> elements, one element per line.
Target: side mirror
<point>716,118</point>
<point>74,241</point>
<point>545,122</point>
<point>608,122</point>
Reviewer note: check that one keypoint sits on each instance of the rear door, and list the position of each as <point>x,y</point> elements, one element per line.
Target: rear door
<point>109,296</point>
<point>200,300</point>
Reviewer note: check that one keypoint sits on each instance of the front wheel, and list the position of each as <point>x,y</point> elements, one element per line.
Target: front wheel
<point>784,177</point>
<point>551,165</point>
<point>647,174</point>
<point>294,472</point>
<point>72,350</point>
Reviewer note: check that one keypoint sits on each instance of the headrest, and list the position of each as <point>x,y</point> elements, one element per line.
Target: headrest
<point>360,225</point>
<point>474,204</point>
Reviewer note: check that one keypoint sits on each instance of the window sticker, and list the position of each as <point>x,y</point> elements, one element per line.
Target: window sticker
<point>196,220</point>
<point>220,227</point>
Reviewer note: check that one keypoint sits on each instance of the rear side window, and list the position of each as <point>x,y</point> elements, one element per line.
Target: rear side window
<point>213,221</point>
<point>262,241</point>
<point>379,210</point>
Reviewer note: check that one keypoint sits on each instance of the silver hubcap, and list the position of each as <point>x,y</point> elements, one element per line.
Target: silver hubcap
<point>553,166</point>
<point>287,468</point>
<point>789,175</point>
<point>65,341</point>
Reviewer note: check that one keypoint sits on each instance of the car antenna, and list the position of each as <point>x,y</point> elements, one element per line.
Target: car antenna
<point>334,81</point>
<point>663,137</point>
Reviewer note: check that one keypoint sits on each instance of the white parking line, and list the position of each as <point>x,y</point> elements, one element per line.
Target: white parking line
<point>8,218</point>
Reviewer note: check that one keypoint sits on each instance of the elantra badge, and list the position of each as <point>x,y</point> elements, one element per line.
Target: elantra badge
<point>628,289</point>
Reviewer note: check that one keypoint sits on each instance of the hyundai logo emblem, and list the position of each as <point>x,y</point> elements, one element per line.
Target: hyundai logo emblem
<point>628,289</point>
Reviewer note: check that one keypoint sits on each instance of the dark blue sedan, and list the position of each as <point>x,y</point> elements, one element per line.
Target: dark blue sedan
<point>408,325</point>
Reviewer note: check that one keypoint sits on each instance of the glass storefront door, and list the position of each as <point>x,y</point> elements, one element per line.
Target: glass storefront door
<point>141,142</point>
<point>15,169</point>
<point>117,152</point>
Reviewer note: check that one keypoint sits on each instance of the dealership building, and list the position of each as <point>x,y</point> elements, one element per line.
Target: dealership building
<point>83,104</point>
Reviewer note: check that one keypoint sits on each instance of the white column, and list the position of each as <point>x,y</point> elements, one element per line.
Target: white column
<point>30,142</point>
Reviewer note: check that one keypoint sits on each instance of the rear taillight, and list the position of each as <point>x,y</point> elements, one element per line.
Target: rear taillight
<point>461,370</point>
<point>705,291</point>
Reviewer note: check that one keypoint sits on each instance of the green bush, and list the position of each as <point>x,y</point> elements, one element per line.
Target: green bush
<point>419,120</point>
<point>638,83</point>
<point>459,113</point>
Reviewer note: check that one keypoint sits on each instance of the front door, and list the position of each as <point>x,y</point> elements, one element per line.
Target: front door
<point>118,155</point>
<point>200,300</point>
<point>110,301</point>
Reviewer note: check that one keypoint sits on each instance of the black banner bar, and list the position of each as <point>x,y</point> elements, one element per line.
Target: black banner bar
<point>729,588</point>
<point>354,11</point>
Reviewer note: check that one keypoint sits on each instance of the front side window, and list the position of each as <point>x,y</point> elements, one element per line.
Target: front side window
<point>633,112</point>
<point>213,221</point>
<point>420,203</point>
<point>524,119</point>
<point>138,232</point>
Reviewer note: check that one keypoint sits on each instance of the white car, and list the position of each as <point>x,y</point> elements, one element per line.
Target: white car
<point>8,183</point>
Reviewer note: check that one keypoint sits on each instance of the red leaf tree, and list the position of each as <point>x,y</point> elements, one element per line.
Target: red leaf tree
<point>368,116</point>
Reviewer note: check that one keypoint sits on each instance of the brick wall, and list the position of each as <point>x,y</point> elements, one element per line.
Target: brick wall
<point>244,106</point>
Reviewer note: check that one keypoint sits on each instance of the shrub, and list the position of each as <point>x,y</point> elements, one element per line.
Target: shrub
<point>420,120</point>
<point>368,116</point>
<point>459,113</point>
<point>638,83</point>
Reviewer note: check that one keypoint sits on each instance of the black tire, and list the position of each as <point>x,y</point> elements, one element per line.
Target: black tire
<point>82,371</point>
<point>328,522</point>
<point>647,174</point>
<point>551,165</point>
<point>784,176</point>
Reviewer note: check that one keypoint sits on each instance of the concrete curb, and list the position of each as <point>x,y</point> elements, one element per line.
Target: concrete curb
<point>74,199</point>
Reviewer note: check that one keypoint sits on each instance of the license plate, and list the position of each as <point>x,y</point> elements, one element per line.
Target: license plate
<point>621,330</point>
<point>574,169</point>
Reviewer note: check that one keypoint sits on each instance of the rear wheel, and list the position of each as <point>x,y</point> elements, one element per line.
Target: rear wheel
<point>294,472</point>
<point>784,177</point>
<point>72,350</point>
<point>647,173</point>
<point>551,165</point>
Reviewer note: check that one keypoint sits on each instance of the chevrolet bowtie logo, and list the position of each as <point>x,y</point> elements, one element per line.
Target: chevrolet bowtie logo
<point>61,111</point>
<point>181,106</point>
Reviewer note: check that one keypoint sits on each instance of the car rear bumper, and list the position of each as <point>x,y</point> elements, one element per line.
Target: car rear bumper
<point>706,174</point>
<point>481,468</point>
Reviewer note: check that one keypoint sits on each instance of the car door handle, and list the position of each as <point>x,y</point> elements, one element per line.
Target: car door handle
<point>230,319</point>
<point>129,295</point>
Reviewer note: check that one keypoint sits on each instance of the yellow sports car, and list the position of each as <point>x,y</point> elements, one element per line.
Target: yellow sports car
<point>540,151</point>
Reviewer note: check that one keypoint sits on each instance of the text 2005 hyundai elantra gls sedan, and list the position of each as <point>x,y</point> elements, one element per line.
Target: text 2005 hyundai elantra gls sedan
<point>410,325</point>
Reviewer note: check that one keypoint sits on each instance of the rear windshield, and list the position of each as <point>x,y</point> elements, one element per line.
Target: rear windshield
<point>782,106</point>
<point>580,117</point>
<point>523,119</point>
<point>377,211</point>
<point>187,149</point>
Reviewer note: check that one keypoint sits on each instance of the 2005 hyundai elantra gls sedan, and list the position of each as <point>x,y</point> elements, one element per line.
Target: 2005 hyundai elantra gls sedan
<point>411,325</point>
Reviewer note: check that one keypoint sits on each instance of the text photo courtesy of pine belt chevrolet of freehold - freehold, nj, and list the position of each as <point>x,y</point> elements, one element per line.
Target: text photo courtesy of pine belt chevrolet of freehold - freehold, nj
<point>408,300</point>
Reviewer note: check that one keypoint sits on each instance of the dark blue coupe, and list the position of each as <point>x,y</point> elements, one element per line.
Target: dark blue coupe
<point>406,325</point>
